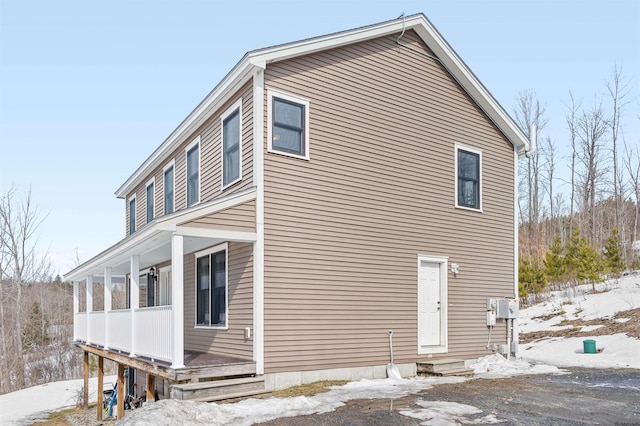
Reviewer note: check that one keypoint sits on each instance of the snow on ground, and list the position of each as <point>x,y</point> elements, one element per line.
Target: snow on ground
<point>496,366</point>
<point>579,303</point>
<point>26,406</point>
<point>614,351</point>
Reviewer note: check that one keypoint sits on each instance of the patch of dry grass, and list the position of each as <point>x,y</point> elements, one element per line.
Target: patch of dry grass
<point>309,389</point>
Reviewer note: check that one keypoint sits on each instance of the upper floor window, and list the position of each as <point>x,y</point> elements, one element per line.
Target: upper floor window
<point>151,205</point>
<point>231,144</point>
<point>132,215</point>
<point>211,287</point>
<point>288,125</point>
<point>193,173</point>
<point>168,188</point>
<point>468,178</point>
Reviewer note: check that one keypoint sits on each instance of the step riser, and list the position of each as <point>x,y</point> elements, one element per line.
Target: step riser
<point>430,368</point>
<point>217,392</point>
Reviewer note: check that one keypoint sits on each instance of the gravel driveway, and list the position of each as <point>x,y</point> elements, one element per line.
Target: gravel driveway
<point>584,396</point>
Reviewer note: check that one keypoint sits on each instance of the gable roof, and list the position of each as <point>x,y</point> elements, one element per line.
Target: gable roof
<point>256,60</point>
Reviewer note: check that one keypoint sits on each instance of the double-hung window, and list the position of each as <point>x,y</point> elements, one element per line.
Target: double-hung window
<point>132,215</point>
<point>151,205</point>
<point>168,188</point>
<point>193,173</point>
<point>211,287</point>
<point>231,144</point>
<point>468,178</point>
<point>288,125</point>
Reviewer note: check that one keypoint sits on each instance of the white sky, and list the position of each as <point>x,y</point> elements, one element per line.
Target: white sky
<point>90,89</point>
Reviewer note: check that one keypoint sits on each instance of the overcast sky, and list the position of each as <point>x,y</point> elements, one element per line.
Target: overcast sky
<point>90,88</point>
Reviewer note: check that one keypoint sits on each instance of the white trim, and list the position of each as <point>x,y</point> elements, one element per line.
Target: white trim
<point>151,181</point>
<point>237,106</point>
<point>170,165</point>
<point>252,61</point>
<point>239,236</point>
<point>145,239</point>
<point>258,246</point>
<point>516,260</point>
<point>444,311</point>
<point>291,98</point>
<point>206,252</point>
<point>135,222</point>
<point>477,151</point>
<point>193,144</point>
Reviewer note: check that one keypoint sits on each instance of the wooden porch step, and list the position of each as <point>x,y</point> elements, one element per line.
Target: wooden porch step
<point>444,367</point>
<point>218,389</point>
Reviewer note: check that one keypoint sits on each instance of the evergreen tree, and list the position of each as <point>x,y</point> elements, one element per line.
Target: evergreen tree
<point>613,255</point>
<point>531,278</point>
<point>555,263</point>
<point>34,334</point>
<point>589,265</point>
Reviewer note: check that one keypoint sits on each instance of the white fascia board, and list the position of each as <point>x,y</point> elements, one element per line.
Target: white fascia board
<point>160,229</point>
<point>221,234</point>
<point>238,76</point>
<point>454,64</point>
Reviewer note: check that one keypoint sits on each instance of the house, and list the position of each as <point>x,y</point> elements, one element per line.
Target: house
<point>326,191</point>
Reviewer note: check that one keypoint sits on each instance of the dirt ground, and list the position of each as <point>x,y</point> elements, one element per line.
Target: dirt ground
<point>584,396</point>
<point>610,326</point>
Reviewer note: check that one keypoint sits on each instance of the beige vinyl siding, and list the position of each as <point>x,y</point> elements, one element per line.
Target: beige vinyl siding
<point>237,218</point>
<point>210,162</point>
<point>240,314</point>
<point>343,230</point>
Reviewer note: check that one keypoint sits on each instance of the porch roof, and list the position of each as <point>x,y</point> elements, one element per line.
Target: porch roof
<point>153,241</point>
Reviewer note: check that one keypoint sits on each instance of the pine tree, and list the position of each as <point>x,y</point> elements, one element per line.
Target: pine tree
<point>34,334</point>
<point>555,263</point>
<point>531,278</point>
<point>613,255</point>
<point>589,265</point>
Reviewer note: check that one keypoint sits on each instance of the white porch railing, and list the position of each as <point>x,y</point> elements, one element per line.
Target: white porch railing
<point>153,332</point>
<point>119,330</point>
<point>80,326</point>
<point>96,328</point>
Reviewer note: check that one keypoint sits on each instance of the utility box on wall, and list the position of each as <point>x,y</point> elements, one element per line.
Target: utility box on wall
<point>507,308</point>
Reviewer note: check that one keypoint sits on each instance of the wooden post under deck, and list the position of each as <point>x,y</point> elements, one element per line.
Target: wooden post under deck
<point>151,387</point>
<point>120,391</point>
<point>100,385</point>
<point>85,390</point>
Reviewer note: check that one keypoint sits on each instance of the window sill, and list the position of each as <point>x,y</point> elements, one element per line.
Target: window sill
<point>211,327</point>
<point>469,208</point>
<point>288,154</point>
<point>230,184</point>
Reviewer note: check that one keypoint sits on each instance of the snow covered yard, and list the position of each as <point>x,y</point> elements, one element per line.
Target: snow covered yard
<point>555,329</point>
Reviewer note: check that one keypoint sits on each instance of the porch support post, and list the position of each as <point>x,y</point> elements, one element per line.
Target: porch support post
<point>177,301</point>
<point>100,386</point>
<point>76,305</point>
<point>134,299</point>
<point>89,305</point>
<point>107,304</point>
<point>85,390</point>
<point>120,391</point>
<point>151,387</point>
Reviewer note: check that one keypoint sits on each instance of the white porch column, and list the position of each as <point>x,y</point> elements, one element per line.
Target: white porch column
<point>134,298</point>
<point>107,304</point>
<point>76,305</point>
<point>89,305</point>
<point>177,301</point>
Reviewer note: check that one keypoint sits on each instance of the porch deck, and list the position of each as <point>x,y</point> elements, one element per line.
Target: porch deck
<point>198,365</point>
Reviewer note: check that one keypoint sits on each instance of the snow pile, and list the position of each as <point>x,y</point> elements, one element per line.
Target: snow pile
<point>253,410</point>
<point>495,366</point>
<point>26,406</point>
<point>442,412</point>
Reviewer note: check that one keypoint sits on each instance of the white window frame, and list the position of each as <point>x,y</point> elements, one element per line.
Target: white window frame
<point>237,106</point>
<point>152,181</point>
<point>194,143</point>
<point>164,270</point>
<point>171,164</point>
<point>135,224</point>
<point>458,147</point>
<point>206,252</point>
<point>291,98</point>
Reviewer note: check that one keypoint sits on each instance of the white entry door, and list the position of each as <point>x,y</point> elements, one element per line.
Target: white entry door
<point>165,285</point>
<point>432,305</point>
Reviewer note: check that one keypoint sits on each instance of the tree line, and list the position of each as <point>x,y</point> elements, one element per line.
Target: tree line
<point>589,230</point>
